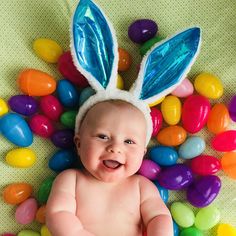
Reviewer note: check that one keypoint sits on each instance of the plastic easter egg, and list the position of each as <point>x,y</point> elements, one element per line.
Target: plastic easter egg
<point>156,120</point>
<point>226,229</point>
<point>26,211</point>
<point>62,160</point>
<point>148,44</point>
<point>171,110</point>
<point>203,191</point>
<point>228,162</point>
<point>85,94</point>
<point>120,82</point>
<point>175,177</point>
<point>67,93</point>
<point>23,104</point>
<point>36,83</point>
<point>156,102</point>
<point>142,30</point>
<point>192,147</point>
<point>125,60</point>
<point>184,89</point>
<point>207,218</point>
<point>63,138</point>
<point>195,113</point>
<point>182,214</point>
<point>14,128</point>
<point>218,119</point>
<point>3,107</point>
<point>208,85</point>
<point>224,141</point>
<point>232,108</point>
<point>41,214</point>
<point>51,107</point>
<point>68,119</point>
<point>172,135</point>
<point>162,191</point>
<point>8,234</point>
<point>163,155</point>
<point>21,157</point>
<point>44,190</point>
<point>191,231</point>
<point>47,49</point>
<point>205,165</point>
<point>176,229</point>
<point>69,71</point>
<point>28,232</point>
<point>149,169</point>
<point>45,231</point>
<point>41,125</point>
<point>16,193</point>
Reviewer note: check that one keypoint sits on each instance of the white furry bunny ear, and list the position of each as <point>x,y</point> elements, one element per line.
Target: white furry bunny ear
<point>166,65</point>
<point>94,46</point>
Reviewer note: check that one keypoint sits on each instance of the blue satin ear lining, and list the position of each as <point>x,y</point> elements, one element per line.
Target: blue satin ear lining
<point>168,62</point>
<point>93,41</point>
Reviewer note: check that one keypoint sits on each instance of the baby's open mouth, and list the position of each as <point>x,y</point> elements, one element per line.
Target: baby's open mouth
<point>112,164</point>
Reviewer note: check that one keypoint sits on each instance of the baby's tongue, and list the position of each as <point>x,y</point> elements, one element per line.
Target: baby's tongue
<point>111,164</point>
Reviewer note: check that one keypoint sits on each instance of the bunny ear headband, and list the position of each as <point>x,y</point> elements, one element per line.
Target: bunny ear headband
<point>95,54</point>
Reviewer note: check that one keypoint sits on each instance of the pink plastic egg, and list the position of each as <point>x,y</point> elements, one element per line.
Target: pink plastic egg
<point>225,141</point>
<point>41,125</point>
<point>51,107</point>
<point>205,165</point>
<point>26,211</point>
<point>8,234</point>
<point>156,120</point>
<point>69,71</point>
<point>195,112</point>
<point>149,169</point>
<point>184,89</point>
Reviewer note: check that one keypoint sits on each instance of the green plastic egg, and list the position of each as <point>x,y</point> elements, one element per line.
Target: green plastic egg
<point>191,231</point>
<point>28,232</point>
<point>44,190</point>
<point>148,44</point>
<point>68,119</point>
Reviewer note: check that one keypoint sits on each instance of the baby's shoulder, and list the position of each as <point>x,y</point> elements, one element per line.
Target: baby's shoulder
<point>145,183</point>
<point>69,174</point>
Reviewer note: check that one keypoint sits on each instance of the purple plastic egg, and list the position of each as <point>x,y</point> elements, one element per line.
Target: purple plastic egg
<point>142,30</point>
<point>149,169</point>
<point>23,104</point>
<point>203,191</point>
<point>63,138</point>
<point>175,177</point>
<point>232,108</point>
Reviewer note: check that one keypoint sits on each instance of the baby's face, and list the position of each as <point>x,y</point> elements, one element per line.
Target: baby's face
<point>111,141</point>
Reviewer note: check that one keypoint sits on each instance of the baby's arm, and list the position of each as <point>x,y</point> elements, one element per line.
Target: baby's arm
<point>156,216</point>
<point>61,216</point>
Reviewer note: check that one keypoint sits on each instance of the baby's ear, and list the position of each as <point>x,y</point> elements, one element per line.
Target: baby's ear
<point>77,141</point>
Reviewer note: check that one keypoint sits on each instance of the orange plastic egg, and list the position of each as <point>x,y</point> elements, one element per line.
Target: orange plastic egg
<point>218,119</point>
<point>41,214</point>
<point>172,135</point>
<point>17,192</point>
<point>228,162</point>
<point>36,83</point>
<point>125,60</point>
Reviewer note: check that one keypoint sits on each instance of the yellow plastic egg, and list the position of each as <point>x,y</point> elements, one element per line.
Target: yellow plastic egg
<point>156,102</point>
<point>47,49</point>
<point>3,107</point>
<point>21,157</point>
<point>45,231</point>
<point>120,82</point>
<point>208,85</point>
<point>226,230</point>
<point>171,110</point>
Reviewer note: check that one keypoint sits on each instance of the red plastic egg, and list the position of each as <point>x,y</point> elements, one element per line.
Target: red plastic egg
<point>69,71</point>
<point>51,107</point>
<point>205,165</point>
<point>41,126</point>
<point>195,113</point>
<point>156,120</point>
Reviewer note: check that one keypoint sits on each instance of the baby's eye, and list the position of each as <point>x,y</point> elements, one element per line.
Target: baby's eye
<point>103,136</point>
<point>129,141</point>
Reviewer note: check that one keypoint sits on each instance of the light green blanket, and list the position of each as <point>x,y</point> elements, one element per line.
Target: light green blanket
<point>22,21</point>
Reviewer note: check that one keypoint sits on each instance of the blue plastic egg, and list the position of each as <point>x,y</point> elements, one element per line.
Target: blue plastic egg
<point>68,93</point>
<point>192,147</point>
<point>163,155</point>
<point>85,94</point>
<point>23,104</point>
<point>14,128</point>
<point>63,138</point>
<point>163,191</point>
<point>62,160</point>
<point>176,229</point>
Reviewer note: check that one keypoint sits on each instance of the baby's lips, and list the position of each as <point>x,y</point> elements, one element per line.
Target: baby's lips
<point>111,164</point>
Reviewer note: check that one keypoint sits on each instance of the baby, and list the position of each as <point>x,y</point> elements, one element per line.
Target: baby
<point>107,197</point>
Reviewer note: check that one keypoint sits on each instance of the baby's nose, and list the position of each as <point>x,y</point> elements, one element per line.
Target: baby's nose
<point>114,148</point>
